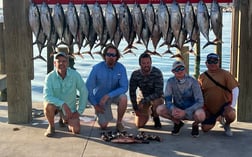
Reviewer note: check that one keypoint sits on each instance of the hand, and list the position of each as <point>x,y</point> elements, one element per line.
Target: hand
<point>66,111</point>
<point>75,115</point>
<point>99,108</point>
<point>103,100</point>
<point>178,113</point>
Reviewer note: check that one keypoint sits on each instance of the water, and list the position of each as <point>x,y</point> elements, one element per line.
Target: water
<point>130,61</point>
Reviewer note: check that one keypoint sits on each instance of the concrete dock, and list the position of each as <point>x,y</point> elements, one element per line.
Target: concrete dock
<point>28,140</point>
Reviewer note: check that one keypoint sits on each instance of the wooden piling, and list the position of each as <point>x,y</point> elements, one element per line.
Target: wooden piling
<point>19,63</point>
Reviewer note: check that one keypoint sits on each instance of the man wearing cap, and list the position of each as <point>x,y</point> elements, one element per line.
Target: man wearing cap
<point>60,90</point>
<point>220,92</point>
<point>150,82</point>
<point>183,100</point>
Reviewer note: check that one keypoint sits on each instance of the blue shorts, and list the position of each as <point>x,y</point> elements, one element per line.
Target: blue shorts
<point>211,120</point>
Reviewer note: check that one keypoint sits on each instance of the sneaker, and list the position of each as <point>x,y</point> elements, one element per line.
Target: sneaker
<point>50,131</point>
<point>157,123</point>
<point>227,129</point>
<point>119,127</point>
<point>195,131</point>
<point>177,128</point>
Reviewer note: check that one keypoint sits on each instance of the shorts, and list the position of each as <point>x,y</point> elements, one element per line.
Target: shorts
<point>211,119</point>
<point>107,116</point>
<point>146,107</point>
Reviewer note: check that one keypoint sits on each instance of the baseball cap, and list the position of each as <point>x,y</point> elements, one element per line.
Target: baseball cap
<point>177,64</point>
<point>212,56</point>
<point>60,54</point>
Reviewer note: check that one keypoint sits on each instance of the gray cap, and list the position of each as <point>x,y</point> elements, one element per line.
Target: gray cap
<point>177,64</point>
<point>63,54</point>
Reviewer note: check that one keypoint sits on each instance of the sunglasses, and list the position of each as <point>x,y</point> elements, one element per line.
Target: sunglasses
<point>212,61</point>
<point>180,68</point>
<point>110,54</point>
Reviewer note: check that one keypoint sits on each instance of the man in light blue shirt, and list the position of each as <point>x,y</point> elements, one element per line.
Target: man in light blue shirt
<point>107,83</point>
<point>60,90</point>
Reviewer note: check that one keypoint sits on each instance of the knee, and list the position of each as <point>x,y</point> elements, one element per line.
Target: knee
<point>123,99</point>
<point>200,115</point>
<point>161,109</point>
<point>48,107</point>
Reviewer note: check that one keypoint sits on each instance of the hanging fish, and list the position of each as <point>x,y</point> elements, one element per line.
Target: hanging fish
<point>98,20</point>
<point>46,20</point>
<point>203,21</point>
<point>149,14</point>
<point>216,20</point>
<point>189,19</point>
<point>84,19</point>
<point>111,20</point>
<point>72,20</point>
<point>138,20</point>
<point>59,22</point>
<point>34,20</point>
<point>163,19</point>
<point>176,20</point>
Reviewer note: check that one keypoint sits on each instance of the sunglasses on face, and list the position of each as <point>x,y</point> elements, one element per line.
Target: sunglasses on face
<point>180,68</point>
<point>110,54</point>
<point>212,61</point>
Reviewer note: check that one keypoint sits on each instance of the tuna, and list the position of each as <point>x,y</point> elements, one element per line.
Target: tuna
<point>46,20</point>
<point>149,14</point>
<point>98,20</point>
<point>84,19</point>
<point>176,20</point>
<point>203,21</point>
<point>163,19</point>
<point>216,20</point>
<point>34,20</point>
<point>138,20</point>
<point>59,20</point>
<point>111,20</point>
<point>72,20</point>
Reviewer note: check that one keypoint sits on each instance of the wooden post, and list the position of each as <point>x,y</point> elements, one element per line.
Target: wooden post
<point>245,57</point>
<point>19,63</point>
<point>234,38</point>
<point>197,60</point>
<point>185,55</point>
<point>3,90</point>
<point>218,47</point>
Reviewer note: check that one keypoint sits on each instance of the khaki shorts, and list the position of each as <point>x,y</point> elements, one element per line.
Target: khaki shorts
<point>147,107</point>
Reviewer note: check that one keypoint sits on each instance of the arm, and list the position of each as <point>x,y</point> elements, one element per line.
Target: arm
<point>81,86</point>
<point>198,97</point>
<point>235,94</point>
<point>168,95</point>
<point>91,84</point>
<point>132,90</point>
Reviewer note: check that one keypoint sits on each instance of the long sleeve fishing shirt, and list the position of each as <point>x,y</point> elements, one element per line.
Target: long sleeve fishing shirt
<point>186,95</point>
<point>151,85</point>
<point>104,80</point>
<point>58,91</point>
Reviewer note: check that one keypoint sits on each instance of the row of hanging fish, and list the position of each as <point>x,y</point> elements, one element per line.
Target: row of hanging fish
<point>98,26</point>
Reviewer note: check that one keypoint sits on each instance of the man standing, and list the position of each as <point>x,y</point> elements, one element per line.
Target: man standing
<point>149,80</point>
<point>220,91</point>
<point>60,89</point>
<point>107,83</point>
<point>183,100</point>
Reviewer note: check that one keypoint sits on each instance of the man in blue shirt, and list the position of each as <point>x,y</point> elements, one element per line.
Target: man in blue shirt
<point>183,100</point>
<point>107,83</point>
<point>60,89</point>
